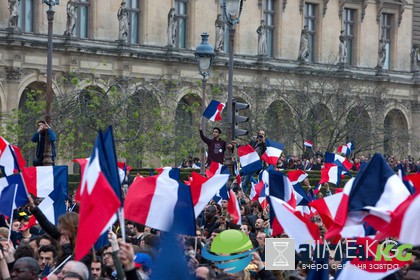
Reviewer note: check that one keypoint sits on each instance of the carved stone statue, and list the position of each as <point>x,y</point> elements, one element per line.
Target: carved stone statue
<point>414,57</point>
<point>171,27</point>
<point>220,33</point>
<point>381,54</point>
<point>262,38</point>
<point>342,48</point>
<point>304,45</point>
<point>14,13</point>
<point>71,18</point>
<point>123,22</point>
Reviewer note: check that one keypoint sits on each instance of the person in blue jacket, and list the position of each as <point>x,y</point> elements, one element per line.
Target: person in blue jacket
<point>39,138</point>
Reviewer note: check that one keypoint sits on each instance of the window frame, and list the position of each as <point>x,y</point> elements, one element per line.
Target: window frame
<point>22,21</point>
<point>85,4</point>
<point>350,33</point>
<point>387,29</point>
<point>182,44</point>
<point>311,18</point>
<point>131,11</point>
<point>270,14</point>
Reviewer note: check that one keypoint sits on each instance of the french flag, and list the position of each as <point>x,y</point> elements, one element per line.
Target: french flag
<point>328,206</point>
<point>161,202</point>
<point>331,173</point>
<point>214,110</point>
<point>331,158</point>
<point>11,160</point>
<point>279,186</point>
<point>296,176</point>
<point>258,192</point>
<point>216,168</point>
<point>12,194</point>
<point>407,183</point>
<point>98,200</point>
<point>302,197</point>
<point>343,149</point>
<point>234,209</point>
<point>50,183</point>
<point>237,172</point>
<point>308,144</point>
<point>122,170</point>
<point>375,193</point>
<point>294,223</point>
<point>203,189</point>
<point>405,222</point>
<point>250,160</point>
<point>273,152</point>
<point>222,194</point>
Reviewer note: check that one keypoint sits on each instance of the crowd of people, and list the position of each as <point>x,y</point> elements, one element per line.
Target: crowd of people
<point>45,251</point>
<point>36,252</point>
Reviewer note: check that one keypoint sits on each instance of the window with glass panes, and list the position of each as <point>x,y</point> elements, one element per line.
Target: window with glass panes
<point>82,24</point>
<point>386,28</point>
<point>269,21</point>
<point>25,20</point>
<point>133,8</point>
<point>349,25</point>
<point>310,18</point>
<point>181,8</point>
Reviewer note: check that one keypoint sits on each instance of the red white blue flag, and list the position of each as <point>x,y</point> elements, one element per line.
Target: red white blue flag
<point>161,202</point>
<point>234,209</point>
<point>370,197</point>
<point>331,158</point>
<point>331,173</point>
<point>204,189</point>
<point>12,194</point>
<point>294,223</point>
<point>250,160</point>
<point>51,184</point>
<point>11,160</point>
<point>308,144</point>
<point>98,200</point>
<point>296,176</point>
<point>214,110</point>
<point>258,192</point>
<point>273,152</point>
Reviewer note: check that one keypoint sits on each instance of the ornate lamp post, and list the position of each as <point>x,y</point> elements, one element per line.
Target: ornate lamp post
<point>48,94</point>
<point>232,10</point>
<point>204,53</point>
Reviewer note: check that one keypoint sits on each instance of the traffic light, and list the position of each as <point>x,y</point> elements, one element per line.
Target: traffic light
<point>237,119</point>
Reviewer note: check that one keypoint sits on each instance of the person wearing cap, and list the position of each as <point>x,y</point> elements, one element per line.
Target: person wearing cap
<point>39,138</point>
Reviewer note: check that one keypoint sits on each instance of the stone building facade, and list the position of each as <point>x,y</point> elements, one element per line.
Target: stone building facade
<point>381,41</point>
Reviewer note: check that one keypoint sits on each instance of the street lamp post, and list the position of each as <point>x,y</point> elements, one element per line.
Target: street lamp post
<point>232,10</point>
<point>48,94</point>
<point>204,53</point>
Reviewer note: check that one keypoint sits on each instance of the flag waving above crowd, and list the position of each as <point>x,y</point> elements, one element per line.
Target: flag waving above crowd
<point>376,202</point>
<point>214,110</point>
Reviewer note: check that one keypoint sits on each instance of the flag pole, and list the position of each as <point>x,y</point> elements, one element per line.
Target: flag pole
<point>11,214</point>
<point>195,245</point>
<point>122,222</point>
<point>59,266</point>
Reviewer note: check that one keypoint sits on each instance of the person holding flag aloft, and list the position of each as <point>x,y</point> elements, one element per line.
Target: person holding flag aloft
<point>216,146</point>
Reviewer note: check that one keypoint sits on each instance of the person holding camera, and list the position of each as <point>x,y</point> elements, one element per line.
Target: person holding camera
<point>39,138</point>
